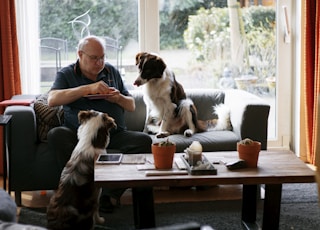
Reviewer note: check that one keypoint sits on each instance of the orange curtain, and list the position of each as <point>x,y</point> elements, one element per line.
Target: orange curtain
<point>311,76</point>
<point>9,59</point>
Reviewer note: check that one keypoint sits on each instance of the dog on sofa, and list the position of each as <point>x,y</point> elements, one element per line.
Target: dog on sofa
<point>75,204</point>
<point>169,111</point>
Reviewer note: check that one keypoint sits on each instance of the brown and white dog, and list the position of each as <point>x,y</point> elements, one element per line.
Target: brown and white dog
<point>169,111</point>
<point>75,204</point>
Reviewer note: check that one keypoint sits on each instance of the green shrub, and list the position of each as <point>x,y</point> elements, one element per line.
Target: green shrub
<point>208,38</point>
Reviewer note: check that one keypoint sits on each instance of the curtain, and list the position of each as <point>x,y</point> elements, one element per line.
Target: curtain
<point>9,59</point>
<point>27,23</point>
<point>311,76</point>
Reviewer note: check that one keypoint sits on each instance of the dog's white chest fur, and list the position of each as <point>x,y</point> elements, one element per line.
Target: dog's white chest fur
<point>157,93</point>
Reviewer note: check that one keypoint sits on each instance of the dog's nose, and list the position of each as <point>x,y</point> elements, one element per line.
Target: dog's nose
<point>137,82</point>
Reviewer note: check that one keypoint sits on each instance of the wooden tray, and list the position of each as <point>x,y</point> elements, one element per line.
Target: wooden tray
<point>211,170</point>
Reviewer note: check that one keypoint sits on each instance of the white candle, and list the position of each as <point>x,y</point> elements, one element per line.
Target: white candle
<point>196,146</point>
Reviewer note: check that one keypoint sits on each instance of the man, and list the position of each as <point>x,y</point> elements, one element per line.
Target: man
<point>90,75</point>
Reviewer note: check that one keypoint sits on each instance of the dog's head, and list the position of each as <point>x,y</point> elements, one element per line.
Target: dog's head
<point>95,126</point>
<point>150,66</point>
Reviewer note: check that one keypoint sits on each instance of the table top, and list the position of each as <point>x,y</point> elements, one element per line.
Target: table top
<point>274,167</point>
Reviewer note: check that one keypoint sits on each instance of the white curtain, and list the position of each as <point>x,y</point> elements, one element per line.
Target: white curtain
<point>27,16</point>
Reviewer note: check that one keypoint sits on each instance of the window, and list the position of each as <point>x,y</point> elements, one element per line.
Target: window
<point>175,29</point>
<point>74,21</point>
<point>279,134</point>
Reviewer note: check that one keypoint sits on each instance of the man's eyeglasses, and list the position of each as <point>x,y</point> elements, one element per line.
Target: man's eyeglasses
<point>94,58</point>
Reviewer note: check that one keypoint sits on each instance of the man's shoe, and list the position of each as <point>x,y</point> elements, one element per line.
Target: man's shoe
<point>106,205</point>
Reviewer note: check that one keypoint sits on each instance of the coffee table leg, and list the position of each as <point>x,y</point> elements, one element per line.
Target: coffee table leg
<point>249,206</point>
<point>143,207</point>
<point>272,203</point>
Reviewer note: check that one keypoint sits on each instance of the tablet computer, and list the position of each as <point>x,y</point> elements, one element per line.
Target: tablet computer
<point>109,158</point>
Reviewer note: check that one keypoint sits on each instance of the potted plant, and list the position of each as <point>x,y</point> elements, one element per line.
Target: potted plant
<point>248,151</point>
<point>163,153</point>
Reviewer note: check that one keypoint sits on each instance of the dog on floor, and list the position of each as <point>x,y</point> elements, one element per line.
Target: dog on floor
<point>75,204</point>
<point>169,111</point>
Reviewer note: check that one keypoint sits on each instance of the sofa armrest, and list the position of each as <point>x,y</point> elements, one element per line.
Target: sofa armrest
<point>22,132</point>
<point>249,115</point>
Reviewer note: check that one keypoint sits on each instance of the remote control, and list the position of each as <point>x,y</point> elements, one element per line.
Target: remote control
<point>239,164</point>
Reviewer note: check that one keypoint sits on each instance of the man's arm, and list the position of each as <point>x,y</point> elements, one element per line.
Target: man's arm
<point>58,97</point>
<point>126,102</point>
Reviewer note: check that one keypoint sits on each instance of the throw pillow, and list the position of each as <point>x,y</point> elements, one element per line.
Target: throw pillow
<point>47,117</point>
<point>8,207</point>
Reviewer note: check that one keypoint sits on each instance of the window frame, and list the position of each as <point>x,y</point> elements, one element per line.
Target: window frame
<point>149,37</point>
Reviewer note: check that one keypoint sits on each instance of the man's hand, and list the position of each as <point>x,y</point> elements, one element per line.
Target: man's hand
<point>113,95</point>
<point>66,96</point>
<point>99,87</point>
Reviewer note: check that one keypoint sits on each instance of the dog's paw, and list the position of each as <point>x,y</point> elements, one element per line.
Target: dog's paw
<point>188,133</point>
<point>153,129</point>
<point>163,134</point>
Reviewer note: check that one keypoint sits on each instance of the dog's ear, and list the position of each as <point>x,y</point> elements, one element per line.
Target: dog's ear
<point>109,121</point>
<point>160,65</point>
<point>84,115</point>
<point>139,56</point>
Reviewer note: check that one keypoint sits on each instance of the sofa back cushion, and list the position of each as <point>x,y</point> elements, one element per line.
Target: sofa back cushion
<point>204,100</point>
<point>135,120</point>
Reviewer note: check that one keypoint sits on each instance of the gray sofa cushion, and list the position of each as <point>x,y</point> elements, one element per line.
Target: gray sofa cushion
<point>205,101</point>
<point>8,208</point>
<point>210,141</point>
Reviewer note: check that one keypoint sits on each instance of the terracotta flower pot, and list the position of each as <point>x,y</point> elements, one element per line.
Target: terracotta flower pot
<point>249,153</point>
<point>163,155</point>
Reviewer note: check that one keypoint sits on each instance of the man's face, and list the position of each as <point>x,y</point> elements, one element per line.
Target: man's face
<point>92,58</point>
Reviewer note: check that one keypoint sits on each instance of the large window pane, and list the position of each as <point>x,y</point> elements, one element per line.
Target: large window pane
<point>62,27</point>
<point>222,44</point>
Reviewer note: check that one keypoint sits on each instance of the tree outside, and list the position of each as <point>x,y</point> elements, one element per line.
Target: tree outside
<point>201,28</point>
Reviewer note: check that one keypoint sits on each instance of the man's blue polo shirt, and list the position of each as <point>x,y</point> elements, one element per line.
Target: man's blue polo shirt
<point>71,76</point>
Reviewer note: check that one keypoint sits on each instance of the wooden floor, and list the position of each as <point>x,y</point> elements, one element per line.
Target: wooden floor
<point>37,199</point>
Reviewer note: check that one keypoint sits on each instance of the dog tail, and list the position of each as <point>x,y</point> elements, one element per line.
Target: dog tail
<point>223,122</point>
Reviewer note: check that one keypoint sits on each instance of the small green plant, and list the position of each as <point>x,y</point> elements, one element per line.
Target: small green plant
<point>166,143</point>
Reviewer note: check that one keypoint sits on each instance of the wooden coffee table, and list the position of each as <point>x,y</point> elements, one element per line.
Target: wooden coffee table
<point>274,169</point>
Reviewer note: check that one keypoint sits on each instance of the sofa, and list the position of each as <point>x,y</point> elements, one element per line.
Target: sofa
<point>32,166</point>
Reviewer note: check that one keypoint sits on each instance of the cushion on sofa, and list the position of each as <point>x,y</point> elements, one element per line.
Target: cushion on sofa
<point>205,101</point>
<point>47,117</point>
<point>211,140</point>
